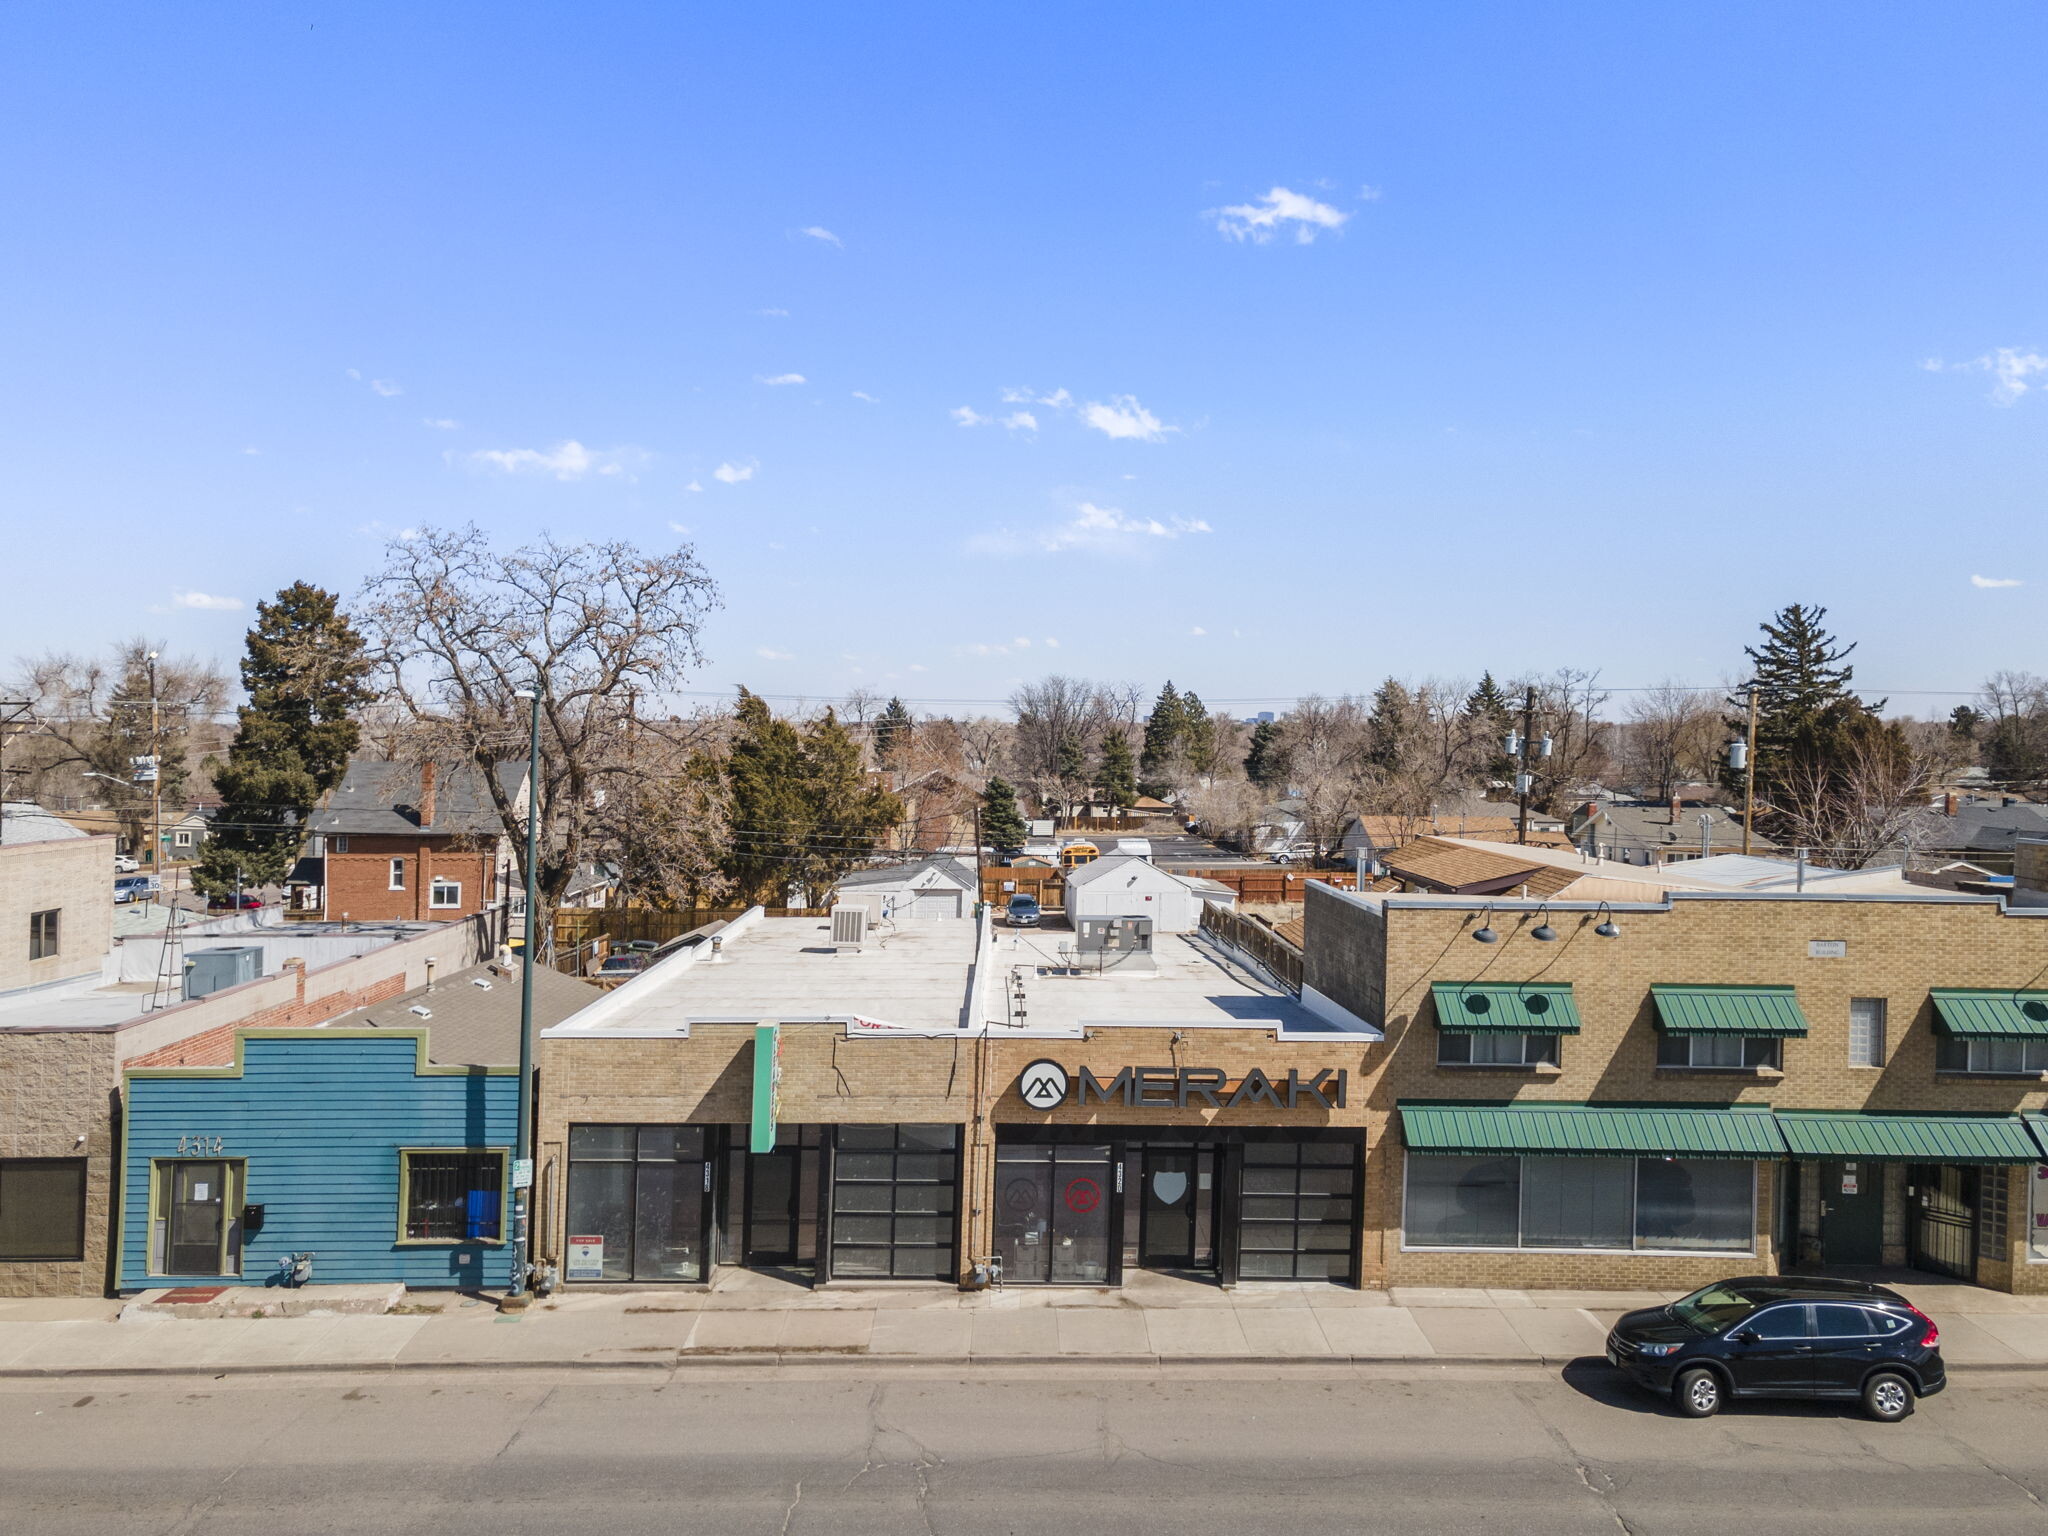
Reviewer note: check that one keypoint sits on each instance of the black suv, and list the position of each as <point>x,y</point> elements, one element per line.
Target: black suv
<point>1783,1336</point>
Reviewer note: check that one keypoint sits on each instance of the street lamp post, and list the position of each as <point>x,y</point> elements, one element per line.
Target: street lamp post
<point>522,1139</point>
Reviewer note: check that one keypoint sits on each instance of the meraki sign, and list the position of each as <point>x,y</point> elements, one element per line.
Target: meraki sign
<point>1047,1085</point>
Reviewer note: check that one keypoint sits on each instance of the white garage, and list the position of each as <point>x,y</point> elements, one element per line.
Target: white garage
<point>933,888</point>
<point>1125,886</point>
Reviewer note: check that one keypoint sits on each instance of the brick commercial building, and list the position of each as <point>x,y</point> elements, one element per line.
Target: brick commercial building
<point>417,841</point>
<point>1656,1094</point>
<point>56,900</point>
<point>937,1094</point>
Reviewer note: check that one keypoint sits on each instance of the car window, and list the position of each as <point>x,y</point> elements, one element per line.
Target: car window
<point>1781,1322</point>
<point>1840,1320</point>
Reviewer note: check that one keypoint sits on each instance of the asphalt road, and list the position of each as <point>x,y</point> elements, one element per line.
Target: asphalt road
<point>849,1450</point>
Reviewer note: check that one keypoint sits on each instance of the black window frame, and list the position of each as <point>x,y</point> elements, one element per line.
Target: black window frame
<point>75,1253</point>
<point>1952,1054</point>
<point>945,1252</point>
<point>1537,1050</point>
<point>408,1195</point>
<point>45,933</point>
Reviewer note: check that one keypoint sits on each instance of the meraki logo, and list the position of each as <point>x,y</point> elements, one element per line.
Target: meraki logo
<point>1043,1085</point>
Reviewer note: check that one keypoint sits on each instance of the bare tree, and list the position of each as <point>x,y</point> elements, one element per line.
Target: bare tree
<point>1673,737</point>
<point>1859,805</point>
<point>1568,708</point>
<point>604,630</point>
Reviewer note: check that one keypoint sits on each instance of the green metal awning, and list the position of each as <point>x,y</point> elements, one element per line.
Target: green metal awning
<point>1992,1013</point>
<point>1705,1010</point>
<point>1590,1130</point>
<point>1512,1007</point>
<point>1909,1138</point>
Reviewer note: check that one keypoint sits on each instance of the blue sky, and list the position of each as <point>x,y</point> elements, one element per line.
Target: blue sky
<point>1541,335</point>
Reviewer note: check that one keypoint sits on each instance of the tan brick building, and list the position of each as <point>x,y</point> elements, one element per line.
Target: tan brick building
<point>423,843</point>
<point>1714,1084</point>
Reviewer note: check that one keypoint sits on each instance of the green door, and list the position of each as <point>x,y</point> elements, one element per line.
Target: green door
<point>1851,1213</point>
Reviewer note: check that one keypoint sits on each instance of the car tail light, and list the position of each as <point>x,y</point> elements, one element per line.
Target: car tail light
<point>1933,1335</point>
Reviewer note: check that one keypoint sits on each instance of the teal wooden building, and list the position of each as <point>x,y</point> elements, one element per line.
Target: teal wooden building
<point>347,1143</point>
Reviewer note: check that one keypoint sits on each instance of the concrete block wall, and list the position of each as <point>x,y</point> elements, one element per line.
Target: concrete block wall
<point>56,1100</point>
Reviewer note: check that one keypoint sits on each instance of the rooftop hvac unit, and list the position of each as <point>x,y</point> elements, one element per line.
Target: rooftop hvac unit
<point>1114,935</point>
<point>849,928</point>
<point>212,970</point>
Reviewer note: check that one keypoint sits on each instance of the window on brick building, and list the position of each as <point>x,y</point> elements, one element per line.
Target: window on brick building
<point>42,1209</point>
<point>1866,1031</point>
<point>42,934</point>
<point>1616,1204</point>
<point>338,843</point>
<point>1493,1049</point>
<point>445,893</point>
<point>2012,1057</point>
<point>398,874</point>
<point>1725,1053</point>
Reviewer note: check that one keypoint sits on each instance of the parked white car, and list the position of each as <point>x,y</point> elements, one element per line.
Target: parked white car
<point>124,865</point>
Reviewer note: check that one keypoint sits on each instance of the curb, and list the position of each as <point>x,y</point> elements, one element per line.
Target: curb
<point>770,1359</point>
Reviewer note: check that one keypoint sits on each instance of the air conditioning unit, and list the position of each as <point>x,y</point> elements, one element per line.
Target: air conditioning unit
<point>849,928</point>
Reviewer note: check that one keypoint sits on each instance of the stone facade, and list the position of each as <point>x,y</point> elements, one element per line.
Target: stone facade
<point>56,1101</point>
<point>73,877</point>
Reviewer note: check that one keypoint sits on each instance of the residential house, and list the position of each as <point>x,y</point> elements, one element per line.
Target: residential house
<point>1646,832</point>
<point>1125,885</point>
<point>419,841</point>
<point>1981,829</point>
<point>380,1142</point>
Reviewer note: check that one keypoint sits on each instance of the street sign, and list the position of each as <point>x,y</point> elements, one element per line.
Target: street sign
<point>522,1173</point>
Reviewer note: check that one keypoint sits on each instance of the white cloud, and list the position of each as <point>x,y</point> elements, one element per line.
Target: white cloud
<point>440,423</point>
<point>682,528</point>
<point>352,373</point>
<point>1021,421</point>
<point>568,460</point>
<point>1104,530</point>
<point>1368,194</point>
<point>1198,630</point>
<point>767,654</point>
<point>695,486</point>
<point>968,416</point>
<point>206,601</point>
<point>380,530</point>
<point>775,314</point>
<point>733,474</point>
<point>861,394</point>
<point>2009,367</point>
<point>1124,417</point>
<point>1052,642</point>
<point>1995,581</point>
<point>386,387</point>
<point>780,378</point>
<point>1022,642</point>
<point>253,452</point>
<point>1059,399</point>
<point>916,666</point>
<point>819,232</point>
<point>1262,220</point>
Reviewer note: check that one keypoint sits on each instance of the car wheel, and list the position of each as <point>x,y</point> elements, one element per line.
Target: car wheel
<point>1887,1397</point>
<point>1698,1393</point>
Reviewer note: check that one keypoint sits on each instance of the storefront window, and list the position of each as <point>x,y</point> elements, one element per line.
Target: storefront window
<point>1607,1203</point>
<point>893,1194</point>
<point>1298,1210</point>
<point>1052,1213</point>
<point>2037,1215</point>
<point>636,1202</point>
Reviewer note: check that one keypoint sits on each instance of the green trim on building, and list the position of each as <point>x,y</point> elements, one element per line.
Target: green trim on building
<point>1991,1013</point>
<point>1714,1010</point>
<point>1590,1130</point>
<point>1505,1007</point>
<point>1909,1138</point>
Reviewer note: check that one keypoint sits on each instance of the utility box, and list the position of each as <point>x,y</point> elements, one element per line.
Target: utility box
<point>211,970</point>
<point>1113,935</point>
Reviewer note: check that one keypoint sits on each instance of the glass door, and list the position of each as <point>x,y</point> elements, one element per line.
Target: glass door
<point>1945,1220</point>
<point>771,1207</point>
<point>1052,1214</point>
<point>198,1219</point>
<point>1166,1222</point>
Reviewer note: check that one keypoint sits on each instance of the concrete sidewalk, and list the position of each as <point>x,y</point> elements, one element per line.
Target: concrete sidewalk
<point>1155,1320</point>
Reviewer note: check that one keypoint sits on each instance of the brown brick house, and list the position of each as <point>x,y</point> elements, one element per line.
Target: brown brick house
<point>421,842</point>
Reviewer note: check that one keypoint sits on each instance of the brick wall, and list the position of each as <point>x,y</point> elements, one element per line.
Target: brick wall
<point>359,881</point>
<point>56,1094</point>
<point>73,877</point>
<point>216,1047</point>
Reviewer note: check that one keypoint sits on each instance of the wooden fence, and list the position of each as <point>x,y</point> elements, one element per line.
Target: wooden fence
<point>1256,940</point>
<point>1101,823</point>
<point>577,928</point>
<point>1270,885</point>
<point>998,885</point>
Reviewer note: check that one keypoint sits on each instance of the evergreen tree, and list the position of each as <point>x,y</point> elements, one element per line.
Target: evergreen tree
<point>1197,734</point>
<point>306,675</point>
<point>1265,764</point>
<point>1162,738</point>
<point>1390,724</point>
<point>1964,722</point>
<point>800,808</point>
<point>1002,828</point>
<point>1492,715</point>
<point>893,731</point>
<point>1115,773</point>
<point>1805,709</point>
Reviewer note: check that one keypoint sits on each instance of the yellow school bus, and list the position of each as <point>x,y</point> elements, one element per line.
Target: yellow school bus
<point>1076,854</point>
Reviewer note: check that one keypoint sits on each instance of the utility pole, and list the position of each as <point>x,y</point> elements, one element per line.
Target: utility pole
<point>1749,771</point>
<point>1519,747</point>
<point>156,784</point>
<point>12,712</point>
<point>522,1138</point>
